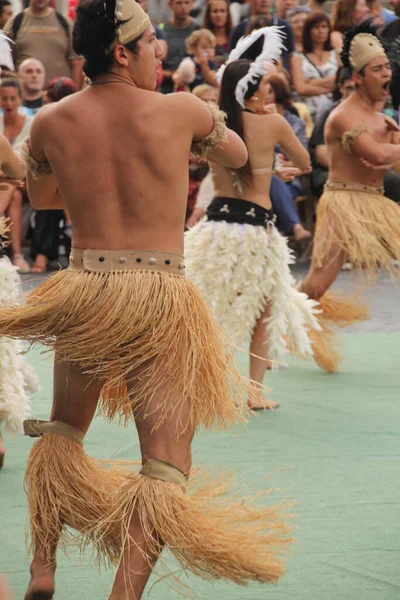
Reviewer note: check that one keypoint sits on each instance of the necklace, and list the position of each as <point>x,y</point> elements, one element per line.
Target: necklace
<point>117,80</point>
<point>319,55</point>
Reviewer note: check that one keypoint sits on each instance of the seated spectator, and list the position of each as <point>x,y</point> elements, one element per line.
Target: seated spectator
<point>6,12</point>
<point>15,127</point>
<point>280,97</point>
<point>316,4</point>
<point>379,15</point>
<point>32,75</point>
<point>282,7</point>
<point>296,18</point>
<point>160,35</point>
<point>45,236</point>
<point>298,108</point>
<point>217,19</point>
<point>345,15</point>
<point>30,32</point>
<point>205,92</point>
<point>314,70</point>
<point>200,45</point>
<point>391,37</point>
<point>262,8</point>
<point>176,32</point>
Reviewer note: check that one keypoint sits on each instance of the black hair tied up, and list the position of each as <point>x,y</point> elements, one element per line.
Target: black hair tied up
<point>94,32</point>
<point>364,27</point>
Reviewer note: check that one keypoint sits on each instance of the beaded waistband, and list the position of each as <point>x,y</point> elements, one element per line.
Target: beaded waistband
<point>353,186</point>
<point>105,261</point>
<point>234,210</point>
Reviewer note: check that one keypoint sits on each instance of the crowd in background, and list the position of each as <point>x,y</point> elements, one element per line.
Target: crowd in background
<point>197,36</point>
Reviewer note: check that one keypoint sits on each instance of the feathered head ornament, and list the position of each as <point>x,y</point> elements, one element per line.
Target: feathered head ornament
<point>262,46</point>
<point>360,45</point>
<point>6,58</point>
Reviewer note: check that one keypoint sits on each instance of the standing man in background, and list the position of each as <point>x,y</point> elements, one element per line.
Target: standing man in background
<point>6,12</point>
<point>41,32</point>
<point>31,74</point>
<point>176,32</point>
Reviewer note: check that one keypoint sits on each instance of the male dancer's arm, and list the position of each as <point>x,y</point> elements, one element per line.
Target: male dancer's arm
<point>231,151</point>
<point>42,187</point>
<point>383,155</point>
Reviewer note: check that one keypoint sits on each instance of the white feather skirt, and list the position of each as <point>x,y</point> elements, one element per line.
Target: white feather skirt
<point>17,378</point>
<point>241,269</point>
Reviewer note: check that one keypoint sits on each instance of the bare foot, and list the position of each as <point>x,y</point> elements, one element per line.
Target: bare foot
<point>260,403</point>
<point>2,452</point>
<point>41,585</point>
<point>300,233</point>
<point>40,264</point>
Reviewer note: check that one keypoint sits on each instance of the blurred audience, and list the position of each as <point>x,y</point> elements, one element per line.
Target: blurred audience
<point>380,16</point>
<point>217,19</point>
<point>6,12</point>
<point>282,7</point>
<point>346,14</point>
<point>263,8</point>
<point>297,17</point>
<point>31,74</point>
<point>46,231</point>
<point>314,70</point>
<point>30,32</point>
<point>15,127</point>
<point>176,31</point>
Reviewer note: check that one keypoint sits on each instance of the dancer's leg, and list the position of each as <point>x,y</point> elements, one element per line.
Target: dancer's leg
<point>74,403</point>
<point>322,275</point>
<point>162,444</point>
<point>258,366</point>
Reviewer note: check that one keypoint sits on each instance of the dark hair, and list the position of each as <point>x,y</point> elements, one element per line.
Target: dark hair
<point>60,87</point>
<point>95,29</point>
<point>207,23</point>
<point>12,82</point>
<point>228,103</point>
<point>3,4</point>
<point>342,15</point>
<point>343,74</point>
<point>313,20</point>
<point>258,23</point>
<point>282,91</point>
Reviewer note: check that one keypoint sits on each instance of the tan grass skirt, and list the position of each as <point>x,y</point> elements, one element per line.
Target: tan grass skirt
<point>132,320</point>
<point>359,220</point>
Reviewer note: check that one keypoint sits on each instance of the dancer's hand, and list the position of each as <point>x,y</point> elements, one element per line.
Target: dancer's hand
<point>195,217</point>
<point>370,165</point>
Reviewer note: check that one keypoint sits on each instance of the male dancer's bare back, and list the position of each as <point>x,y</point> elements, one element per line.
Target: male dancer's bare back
<point>133,143</point>
<point>119,161</point>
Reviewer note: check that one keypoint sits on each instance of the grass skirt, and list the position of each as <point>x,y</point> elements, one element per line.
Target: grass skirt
<point>241,269</point>
<point>210,529</point>
<point>363,223</point>
<point>17,378</point>
<point>148,331</point>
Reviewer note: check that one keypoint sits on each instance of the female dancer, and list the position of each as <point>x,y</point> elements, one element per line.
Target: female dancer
<point>235,255</point>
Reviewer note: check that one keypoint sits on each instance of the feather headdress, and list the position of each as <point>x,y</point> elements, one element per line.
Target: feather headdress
<point>262,46</point>
<point>6,58</point>
<point>360,45</point>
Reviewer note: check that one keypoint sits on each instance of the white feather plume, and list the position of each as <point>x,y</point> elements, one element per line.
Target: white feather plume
<point>271,51</point>
<point>6,58</point>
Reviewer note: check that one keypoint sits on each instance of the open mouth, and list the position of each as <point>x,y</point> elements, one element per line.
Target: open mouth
<point>386,87</point>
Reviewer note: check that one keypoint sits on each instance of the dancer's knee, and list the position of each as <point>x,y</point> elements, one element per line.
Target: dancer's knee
<point>315,288</point>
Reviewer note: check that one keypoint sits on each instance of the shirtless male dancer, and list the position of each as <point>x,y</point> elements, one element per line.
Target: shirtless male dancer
<point>131,334</point>
<point>355,221</point>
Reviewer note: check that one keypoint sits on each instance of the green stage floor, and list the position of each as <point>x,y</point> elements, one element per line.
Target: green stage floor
<point>338,436</point>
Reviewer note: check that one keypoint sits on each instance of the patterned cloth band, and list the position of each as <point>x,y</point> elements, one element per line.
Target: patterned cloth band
<point>105,261</point>
<point>234,210</point>
<point>353,186</point>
